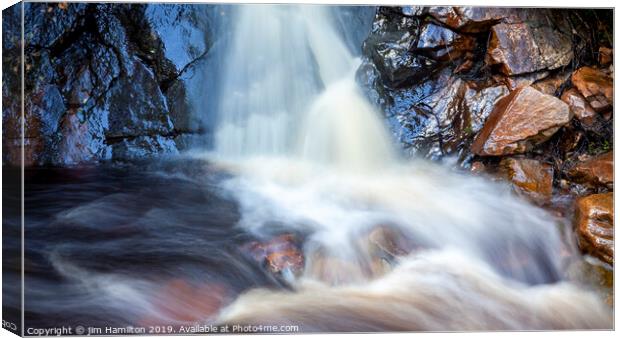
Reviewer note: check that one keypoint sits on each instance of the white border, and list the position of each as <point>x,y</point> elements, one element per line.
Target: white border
<point>490,3</point>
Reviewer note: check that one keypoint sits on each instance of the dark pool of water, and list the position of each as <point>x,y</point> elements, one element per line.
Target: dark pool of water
<point>134,228</point>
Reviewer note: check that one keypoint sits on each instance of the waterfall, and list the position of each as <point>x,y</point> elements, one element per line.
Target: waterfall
<point>310,153</point>
<point>289,90</point>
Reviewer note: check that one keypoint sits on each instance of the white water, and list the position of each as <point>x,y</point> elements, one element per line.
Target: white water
<point>310,152</point>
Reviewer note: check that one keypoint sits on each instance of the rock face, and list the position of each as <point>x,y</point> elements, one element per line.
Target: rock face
<point>437,72</point>
<point>596,86</point>
<point>520,121</point>
<point>594,221</point>
<point>597,171</point>
<point>530,177</point>
<point>519,48</point>
<point>100,81</point>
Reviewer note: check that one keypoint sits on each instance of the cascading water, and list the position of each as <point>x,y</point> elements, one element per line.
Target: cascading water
<point>290,91</point>
<point>311,154</point>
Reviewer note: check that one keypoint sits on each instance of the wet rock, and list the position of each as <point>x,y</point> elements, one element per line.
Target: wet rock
<point>470,19</point>
<point>523,80</point>
<point>579,106</point>
<point>413,10</point>
<point>478,168</point>
<point>597,171</point>
<point>336,270</point>
<point>594,221</point>
<point>390,47</point>
<point>280,254</point>
<point>551,85</point>
<point>524,118</point>
<point>441,115</point>
<point>588,272</point>
<point>180,30</point>
<point>595,86</point>
<point>605,56</point>
<point>480,103</point>
<point>389,242</point>
<point>47,24</point>
<point>433,36</point>
<point>518,49</point>
<point>143,146</point>
<point>530,177</point>
<point>98,80</point>
<point>83,139</point>
<point>137,106</point>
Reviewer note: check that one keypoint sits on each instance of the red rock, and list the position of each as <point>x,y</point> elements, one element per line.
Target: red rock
<point>524,80</point>
<point>530,177</point>
<point>594,220</point>
<point>597,171</point>
<point>595,86</point>
<point>579,106</point>
<point>471,19</point>
<point>518,49</point>
<point>278,254</point>
<point>519,121</point>
<point>551,84</point>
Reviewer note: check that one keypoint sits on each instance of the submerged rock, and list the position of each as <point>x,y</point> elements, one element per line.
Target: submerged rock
<point>594,221</point>
<point>519,121</point>
<point>596,171</point>
<point>281,254</point>
<point>530,177</point>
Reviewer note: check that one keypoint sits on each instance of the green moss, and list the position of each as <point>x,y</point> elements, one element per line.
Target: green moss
<point>599,148</point>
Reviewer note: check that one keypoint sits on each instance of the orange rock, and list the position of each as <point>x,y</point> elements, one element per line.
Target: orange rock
<point>530,177</point>
<point>579,106</point>
<point>596,171</point>
<point>278,254</point>
<point>594,220</point>
<point>605,56</point>
<point>595,86</point>
<point>519,121</point>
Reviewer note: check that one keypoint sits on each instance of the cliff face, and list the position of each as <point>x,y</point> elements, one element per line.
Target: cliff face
<point>102,81</point>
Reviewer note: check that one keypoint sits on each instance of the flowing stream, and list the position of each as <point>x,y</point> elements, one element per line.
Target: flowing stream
<point>311,154</point>
<point>388,243</point>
